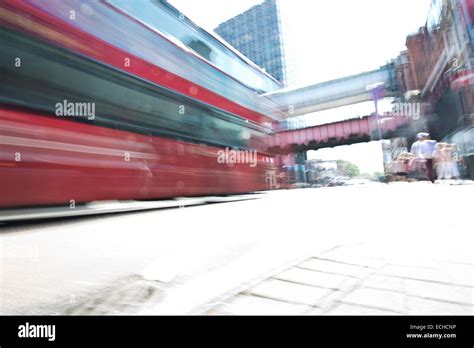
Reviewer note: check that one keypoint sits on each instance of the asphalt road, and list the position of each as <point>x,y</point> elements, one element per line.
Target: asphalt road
<point>188,260</point>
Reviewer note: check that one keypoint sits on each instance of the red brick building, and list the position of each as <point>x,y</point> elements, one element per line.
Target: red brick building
<point>440,69</point>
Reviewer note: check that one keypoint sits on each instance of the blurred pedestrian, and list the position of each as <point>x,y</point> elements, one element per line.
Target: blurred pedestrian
<point>445,160</point>
<point>423,149</point>
<point>451,166</point>
<point>439,161</point>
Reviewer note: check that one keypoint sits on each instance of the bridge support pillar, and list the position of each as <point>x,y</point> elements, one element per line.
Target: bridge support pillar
<point>292,168</point>
<point>300,157</point>
<point>299,168</point>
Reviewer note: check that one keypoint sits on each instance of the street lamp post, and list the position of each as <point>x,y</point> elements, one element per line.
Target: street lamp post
<point>376,91</point>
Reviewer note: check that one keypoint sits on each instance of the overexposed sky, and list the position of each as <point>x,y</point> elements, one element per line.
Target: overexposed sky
<point>336,38</point>
<point>367,156</point>
<point>329,39</point>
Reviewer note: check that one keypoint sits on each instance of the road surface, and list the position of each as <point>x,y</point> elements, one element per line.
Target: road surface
<point>402,248</point>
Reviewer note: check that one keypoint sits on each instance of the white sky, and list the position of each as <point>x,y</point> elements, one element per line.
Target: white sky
<point>329,39</point>
<point>367,156</point>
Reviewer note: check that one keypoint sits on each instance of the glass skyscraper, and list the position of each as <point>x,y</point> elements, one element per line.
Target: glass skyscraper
<point>257,34</point>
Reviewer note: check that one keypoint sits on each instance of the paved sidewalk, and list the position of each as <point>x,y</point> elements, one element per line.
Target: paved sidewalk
<point>402,248</point>
<point>362,280</point>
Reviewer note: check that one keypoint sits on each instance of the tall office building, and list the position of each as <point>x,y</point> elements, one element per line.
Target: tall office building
<point>258,34</point>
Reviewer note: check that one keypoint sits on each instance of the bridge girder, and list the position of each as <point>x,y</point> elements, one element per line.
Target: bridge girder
<point>335,93</point>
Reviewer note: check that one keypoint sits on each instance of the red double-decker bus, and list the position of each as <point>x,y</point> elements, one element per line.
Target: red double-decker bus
<point>102,100</point>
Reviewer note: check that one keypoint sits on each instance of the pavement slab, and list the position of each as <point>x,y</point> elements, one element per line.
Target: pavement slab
<point>442,292</point>
<point>417,306</point>
<point>315,278</point>
<point>334,267</point>
<point>244,304</point>
<point>386,300</point>
<point>289,292</point>
<point>351,309</point>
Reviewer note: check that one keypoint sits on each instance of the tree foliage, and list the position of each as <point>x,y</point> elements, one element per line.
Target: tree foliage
<point>348,168</point>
